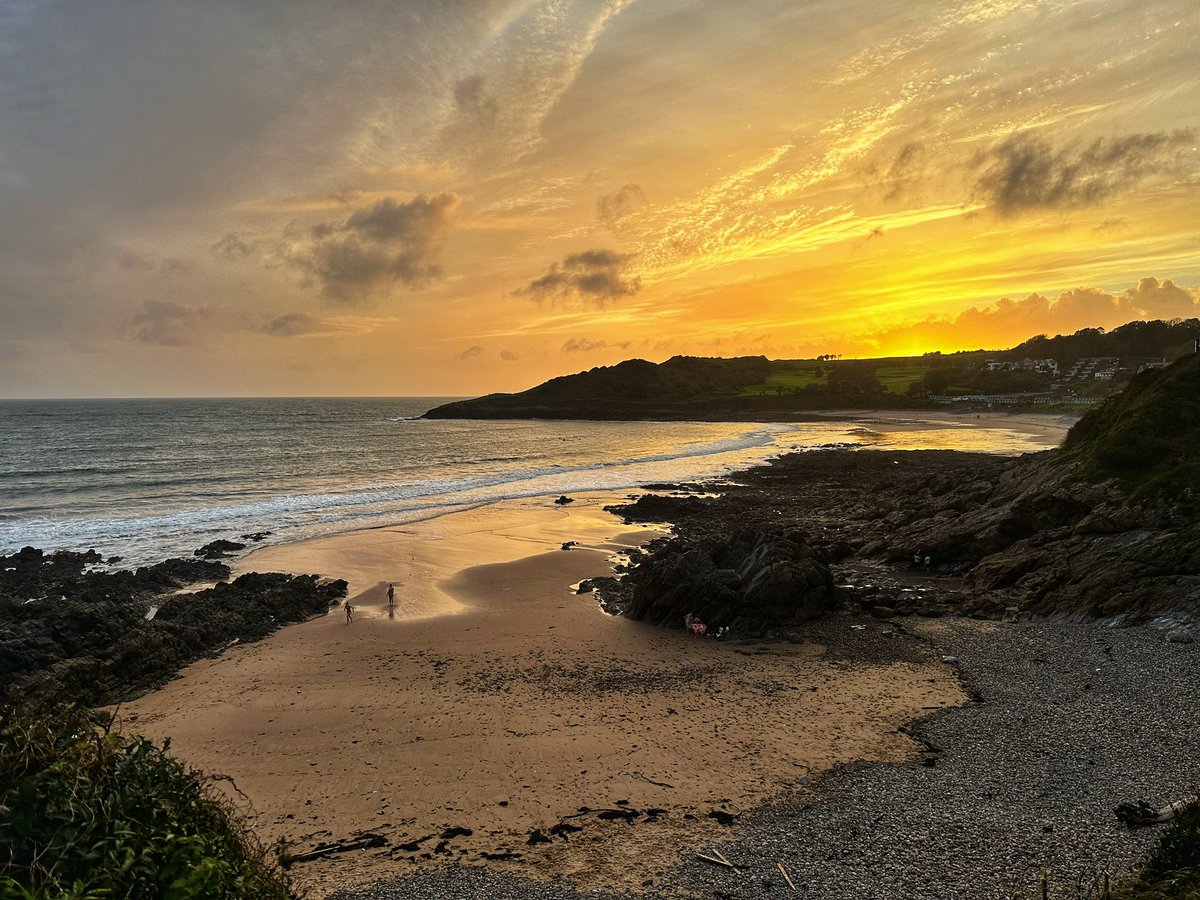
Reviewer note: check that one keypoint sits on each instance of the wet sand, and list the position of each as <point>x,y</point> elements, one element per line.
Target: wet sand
<point>493,699</point>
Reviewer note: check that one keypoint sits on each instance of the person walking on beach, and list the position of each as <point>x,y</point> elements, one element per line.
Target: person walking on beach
<point>391,595</point>
<point>349,613</point>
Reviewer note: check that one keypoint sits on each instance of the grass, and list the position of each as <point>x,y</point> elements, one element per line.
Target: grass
<point>788,380</point>
<point>898,379</point>
<point>85,813</point>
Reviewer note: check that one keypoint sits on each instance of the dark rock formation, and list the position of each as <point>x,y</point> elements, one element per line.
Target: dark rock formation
<point>657,508</point>
<point>90,637</point>
<point>750,583</point>
<point>218,549</point>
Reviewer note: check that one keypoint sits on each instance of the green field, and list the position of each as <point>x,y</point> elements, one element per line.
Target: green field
<point>897,379</point>
<point>787,380</point>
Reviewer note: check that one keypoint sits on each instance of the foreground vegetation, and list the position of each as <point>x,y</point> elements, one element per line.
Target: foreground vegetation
<point>1148,436</point>
<point>1172,871</point>
<point>86,813</point>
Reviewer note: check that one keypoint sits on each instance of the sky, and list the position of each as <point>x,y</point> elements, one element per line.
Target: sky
<point>432,198</point>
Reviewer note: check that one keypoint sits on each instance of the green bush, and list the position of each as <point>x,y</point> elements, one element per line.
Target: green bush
<point>85,813</point>
<point>1172,870</point>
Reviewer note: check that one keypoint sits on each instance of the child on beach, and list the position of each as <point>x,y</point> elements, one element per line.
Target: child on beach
<point>349,613</point>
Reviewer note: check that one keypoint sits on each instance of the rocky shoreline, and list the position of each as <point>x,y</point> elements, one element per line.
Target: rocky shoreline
<point>75,631</point>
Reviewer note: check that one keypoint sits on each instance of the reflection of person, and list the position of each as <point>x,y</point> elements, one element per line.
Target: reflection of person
<point>391,595</point>
<point>349,613</point>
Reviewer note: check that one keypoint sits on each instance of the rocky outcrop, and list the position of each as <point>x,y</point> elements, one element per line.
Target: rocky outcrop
<point>218,549</point>
<point>750,583</point>
<point>71,633</point>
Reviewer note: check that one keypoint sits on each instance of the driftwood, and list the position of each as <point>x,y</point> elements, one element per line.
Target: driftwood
<point>786,877</point>
<point>721,856</point>
<point>714,860</point>
<point>360,842</point>
<point>1142,814</point>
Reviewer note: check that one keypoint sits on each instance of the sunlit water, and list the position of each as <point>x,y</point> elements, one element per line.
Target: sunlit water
<point>147,479</point>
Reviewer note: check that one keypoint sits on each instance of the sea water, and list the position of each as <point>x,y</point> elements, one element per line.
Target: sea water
<point>148,479</point>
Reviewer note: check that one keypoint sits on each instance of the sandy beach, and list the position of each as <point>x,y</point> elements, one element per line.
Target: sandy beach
<point>494,712</point>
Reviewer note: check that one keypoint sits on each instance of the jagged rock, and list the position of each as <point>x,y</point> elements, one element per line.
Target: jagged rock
<point>218,549</point>
<point>564,500</point>
<point>95,645</point>
<point>657,508</point>
<point>1179,636</point>
<point>754,581</point>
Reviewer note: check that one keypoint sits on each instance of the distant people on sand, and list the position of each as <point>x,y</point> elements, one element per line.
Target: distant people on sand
<point>349,613</point>
<point>928,563</point>
<point>391,595</point>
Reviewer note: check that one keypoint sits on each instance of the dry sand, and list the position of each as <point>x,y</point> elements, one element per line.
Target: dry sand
<point>495,699</point>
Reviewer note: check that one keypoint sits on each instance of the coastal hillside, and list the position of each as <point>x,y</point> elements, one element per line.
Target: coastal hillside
<point>1148,436</point>
<point>1105,527</point>
<point>634,389</point>
<point>1066,371</point>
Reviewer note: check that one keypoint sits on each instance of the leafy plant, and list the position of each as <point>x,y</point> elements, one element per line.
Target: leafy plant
<point>86,813</point>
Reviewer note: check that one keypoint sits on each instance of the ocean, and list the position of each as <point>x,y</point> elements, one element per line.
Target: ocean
<point>149,479</point>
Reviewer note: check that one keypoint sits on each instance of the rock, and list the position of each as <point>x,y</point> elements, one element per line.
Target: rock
<point>750,583</point>
<point>567,545</point>
<point>657,508</point>
<point>1179,636</point>
<point>585,587</point>
<point>883,612</point>
<point>564,500</point>
<point>218,549</point>
<point>256,536</point>
<point>96,646</point>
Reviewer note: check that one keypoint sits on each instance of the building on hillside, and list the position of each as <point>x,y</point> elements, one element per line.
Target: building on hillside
<point>1093,367</point>
<point>1042,366</point>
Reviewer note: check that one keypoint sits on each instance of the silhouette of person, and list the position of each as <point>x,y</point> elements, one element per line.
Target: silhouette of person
<point>391,595</point>
<point>349,613</point>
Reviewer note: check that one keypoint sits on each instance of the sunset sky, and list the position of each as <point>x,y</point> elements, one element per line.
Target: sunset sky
<point>431,198</point>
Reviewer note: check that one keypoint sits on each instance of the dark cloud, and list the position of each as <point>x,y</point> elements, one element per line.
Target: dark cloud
<point>471,352</point>
<point>167,322</point>
<point>1025,172</point>
<point>876,232</point>
<point>596,276</point>
<point>475,101</point>
<point>612,208</point>
<point>907,169</point>
<point>292,324</point>
<point>509,355</point>
<point>378,246</point>
<point>582,345</point>
<point>233,246</point>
